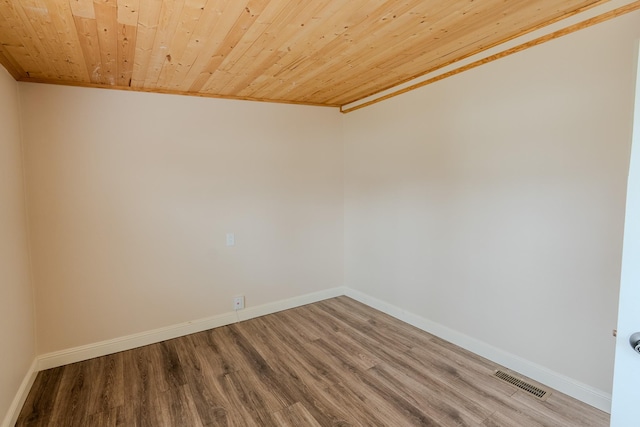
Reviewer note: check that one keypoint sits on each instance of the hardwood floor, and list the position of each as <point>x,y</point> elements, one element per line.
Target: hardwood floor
<point>332,363</point>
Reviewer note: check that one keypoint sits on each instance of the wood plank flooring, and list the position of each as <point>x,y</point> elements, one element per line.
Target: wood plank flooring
<point>332,363</point>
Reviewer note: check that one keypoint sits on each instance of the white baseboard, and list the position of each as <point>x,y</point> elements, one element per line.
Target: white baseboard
<point>85,352</point>
<point>274,307</point>
<point>580,391</point>
<point>585,393</point>
<point>21,396</point>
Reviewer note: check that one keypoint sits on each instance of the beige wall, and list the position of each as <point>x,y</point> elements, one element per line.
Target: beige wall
<point>493,202</point>
<point>131,195</point>
<point>16,301</point>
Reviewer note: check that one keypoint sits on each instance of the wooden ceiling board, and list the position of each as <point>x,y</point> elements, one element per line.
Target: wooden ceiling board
<point>315,42</point>
<point>445,41</point>
<point>19,43</point>
<point>251,60</point>
<point>7,53</point>
<point>214,44</point>
<point>148,17</point>
<point>320,52</point>
<point>598,19</point>
<point>202,37</point>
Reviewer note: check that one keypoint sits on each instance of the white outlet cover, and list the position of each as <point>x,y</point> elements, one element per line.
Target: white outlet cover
<point>238,303</point>
<point>231,239</point>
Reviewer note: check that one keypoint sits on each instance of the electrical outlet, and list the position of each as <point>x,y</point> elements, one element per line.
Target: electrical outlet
<point>238,303</point>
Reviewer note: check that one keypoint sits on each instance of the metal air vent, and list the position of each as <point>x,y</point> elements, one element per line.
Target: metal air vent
<point>522,385</point>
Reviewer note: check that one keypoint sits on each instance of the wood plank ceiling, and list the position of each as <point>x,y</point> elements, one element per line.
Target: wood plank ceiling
<point>324,52</point>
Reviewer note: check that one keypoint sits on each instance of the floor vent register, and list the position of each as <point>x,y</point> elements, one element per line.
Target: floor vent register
<point>522,385</point>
